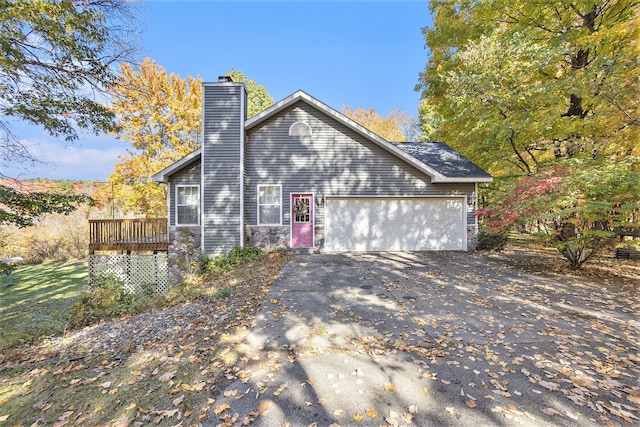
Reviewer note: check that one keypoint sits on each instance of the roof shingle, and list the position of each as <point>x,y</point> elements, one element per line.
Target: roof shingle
<point>444,159</point>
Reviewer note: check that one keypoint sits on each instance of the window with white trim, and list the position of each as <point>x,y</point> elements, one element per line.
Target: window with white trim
<point>187,205</point>
<point>300,128</point>
<point>269,205</point>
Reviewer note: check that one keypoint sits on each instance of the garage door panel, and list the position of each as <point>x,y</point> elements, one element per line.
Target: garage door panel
<point>372,225</point>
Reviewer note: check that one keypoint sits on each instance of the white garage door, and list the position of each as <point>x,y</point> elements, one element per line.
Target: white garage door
<point>395,224</point>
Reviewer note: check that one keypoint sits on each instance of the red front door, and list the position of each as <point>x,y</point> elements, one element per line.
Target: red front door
<point>302,220</point>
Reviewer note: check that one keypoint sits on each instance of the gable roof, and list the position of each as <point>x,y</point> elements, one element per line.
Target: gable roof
<point>164,174</point>
<point>455,167</point>
<point>430,167</point>
<point>445,159</point>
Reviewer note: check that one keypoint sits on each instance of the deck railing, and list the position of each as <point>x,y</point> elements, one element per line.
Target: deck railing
<point>145,234</point>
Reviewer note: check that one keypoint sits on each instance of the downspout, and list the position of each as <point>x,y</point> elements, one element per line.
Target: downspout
<point>475,212</point>
<point>203,249</point>
<point>242,136</point>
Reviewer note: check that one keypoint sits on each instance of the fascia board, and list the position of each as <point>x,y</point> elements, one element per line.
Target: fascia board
<point>468,179</point>
<point>163,175</point>
<point>275,108</point>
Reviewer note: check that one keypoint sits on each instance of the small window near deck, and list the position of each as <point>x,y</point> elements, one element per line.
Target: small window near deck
<point>269,205</point>
<point>300,129</point>
<point>187,205</point>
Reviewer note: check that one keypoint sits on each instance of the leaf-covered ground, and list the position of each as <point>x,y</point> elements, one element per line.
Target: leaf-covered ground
<point>440,340</point>
<point>157,368</point>
<point>413,339</point>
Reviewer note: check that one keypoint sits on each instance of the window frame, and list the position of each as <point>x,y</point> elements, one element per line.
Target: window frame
<point>298,126</point>
<point>294,212</point>
<point>259,205</point>
<point>177,205</point>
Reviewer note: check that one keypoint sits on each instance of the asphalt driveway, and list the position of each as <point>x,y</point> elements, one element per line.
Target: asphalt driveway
<point>436,339</point>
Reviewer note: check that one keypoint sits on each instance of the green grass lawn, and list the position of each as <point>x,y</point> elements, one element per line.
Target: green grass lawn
<point>38,302</point>
<point>48,388</point>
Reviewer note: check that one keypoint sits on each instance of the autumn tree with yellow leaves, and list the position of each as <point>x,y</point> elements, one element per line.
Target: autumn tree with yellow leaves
<point>160,114</point>
<point>544,95</point>
<point>398,126</point>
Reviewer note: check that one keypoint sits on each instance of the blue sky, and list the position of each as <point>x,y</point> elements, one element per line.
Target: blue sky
<point>359,53</point>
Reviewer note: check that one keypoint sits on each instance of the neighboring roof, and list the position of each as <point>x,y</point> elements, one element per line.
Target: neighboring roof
<point>445,160</point>
<point>457,167</point>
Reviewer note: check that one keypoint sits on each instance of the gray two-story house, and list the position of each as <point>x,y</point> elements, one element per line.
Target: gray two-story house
<point>302,175</point>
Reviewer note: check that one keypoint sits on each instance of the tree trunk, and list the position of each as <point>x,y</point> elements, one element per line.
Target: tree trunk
<point>579,60</point>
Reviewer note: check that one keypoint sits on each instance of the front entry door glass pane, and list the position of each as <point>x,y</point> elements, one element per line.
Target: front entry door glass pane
<point>301,209</point>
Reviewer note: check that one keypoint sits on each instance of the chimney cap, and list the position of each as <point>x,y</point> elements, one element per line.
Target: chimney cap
<point>225,79</point>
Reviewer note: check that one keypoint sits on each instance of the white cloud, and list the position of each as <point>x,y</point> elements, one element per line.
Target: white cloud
<point>92,158</point>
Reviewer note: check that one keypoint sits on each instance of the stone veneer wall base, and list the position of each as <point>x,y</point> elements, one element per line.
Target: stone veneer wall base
<point>185,248</point>
<point>268,237</point>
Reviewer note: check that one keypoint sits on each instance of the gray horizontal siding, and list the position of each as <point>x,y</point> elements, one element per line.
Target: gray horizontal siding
<point>334,161</point>
<point>223,124</point>
<point>187,176</point>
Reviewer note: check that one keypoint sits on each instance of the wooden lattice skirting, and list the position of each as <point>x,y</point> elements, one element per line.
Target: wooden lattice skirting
<point>137,272</point>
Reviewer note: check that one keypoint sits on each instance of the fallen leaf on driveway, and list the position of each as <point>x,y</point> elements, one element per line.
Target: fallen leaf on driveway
<point>392,419</point>
<point>551,411</point>
<point>625,415</point>
<point>221,408</point>
<point>372,413</point>
<point>280,389</point>
<point>549,385</point>
<point>390,387</point>
<point>571,415</point>
<point>634,399</point>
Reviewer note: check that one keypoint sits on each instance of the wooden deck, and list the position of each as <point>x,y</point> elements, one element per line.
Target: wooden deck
<point>128,235</point>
